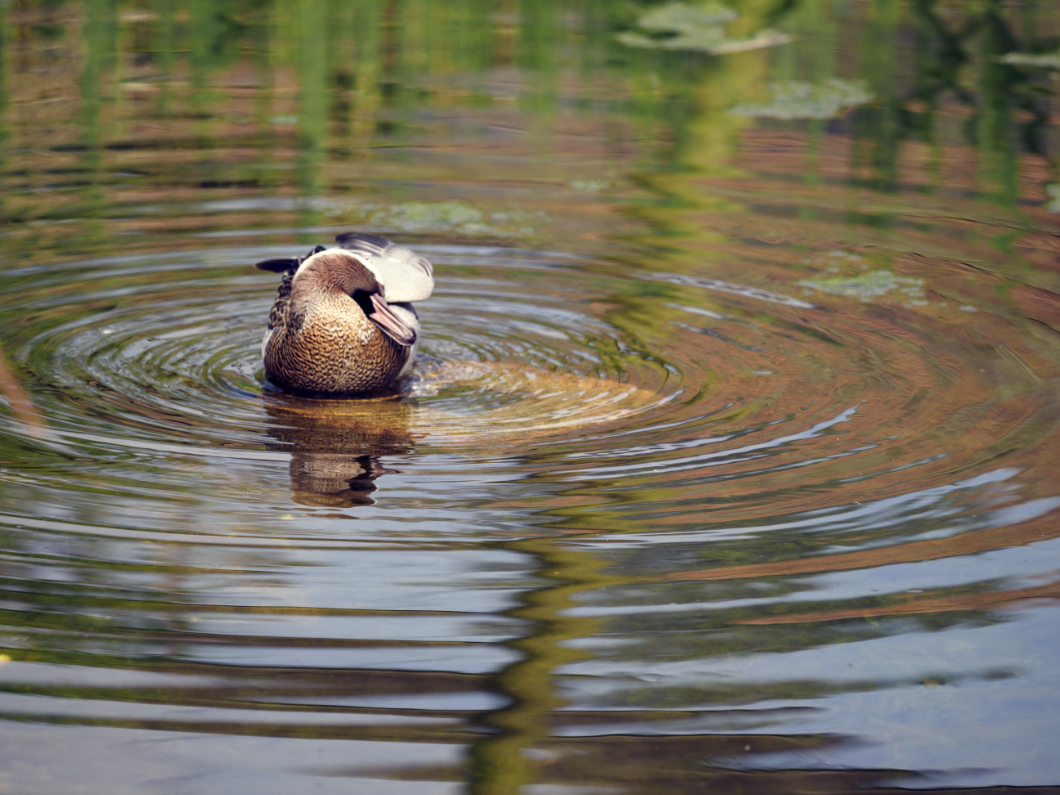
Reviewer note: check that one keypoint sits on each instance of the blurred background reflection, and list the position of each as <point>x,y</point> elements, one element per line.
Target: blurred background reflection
<point>730,461</point>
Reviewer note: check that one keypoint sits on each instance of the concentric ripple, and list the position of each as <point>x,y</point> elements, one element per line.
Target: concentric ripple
<point>662,471</point>
<point>653,376</point>
<point>166,349</point>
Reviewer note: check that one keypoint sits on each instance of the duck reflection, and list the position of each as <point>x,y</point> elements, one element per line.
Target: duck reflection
<point>336,446</point>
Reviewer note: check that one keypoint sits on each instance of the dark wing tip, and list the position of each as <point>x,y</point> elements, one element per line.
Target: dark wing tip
<point>278,265</point>
<point>362,240</point>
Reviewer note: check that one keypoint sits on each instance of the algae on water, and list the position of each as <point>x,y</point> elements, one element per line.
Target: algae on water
<point>428,216</point>
<point>684,26</point>
<point>443,216</point>
<point>1052,204</point>
<point>678,17</point>
<point>798,100</point>
<point>869,286</point>
<point>1050,60</point>
<point>848,274</point>
<point>589,185</point>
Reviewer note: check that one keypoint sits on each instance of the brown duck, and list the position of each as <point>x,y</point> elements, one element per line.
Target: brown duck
<point>343,322</point>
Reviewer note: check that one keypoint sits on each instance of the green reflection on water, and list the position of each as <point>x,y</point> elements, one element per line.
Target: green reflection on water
<point>374,99</point>
<point>100,34</point>
<point>998,165</point>
<point>313,45</point>
<point>5,133</point>
<point>372,76</point>
<point>503,763</point>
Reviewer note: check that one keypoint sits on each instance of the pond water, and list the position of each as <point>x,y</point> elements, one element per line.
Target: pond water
<point>730,461</point>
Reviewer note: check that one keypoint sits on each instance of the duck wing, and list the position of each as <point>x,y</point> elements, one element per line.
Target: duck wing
<point>278,315</point>
<point>279,312</point>
<point>404,276</point>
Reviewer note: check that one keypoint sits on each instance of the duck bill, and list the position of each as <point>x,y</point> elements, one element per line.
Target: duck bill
<point>389,323</point>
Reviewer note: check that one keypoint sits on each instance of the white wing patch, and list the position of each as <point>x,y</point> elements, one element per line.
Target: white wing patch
<point>404,275</point>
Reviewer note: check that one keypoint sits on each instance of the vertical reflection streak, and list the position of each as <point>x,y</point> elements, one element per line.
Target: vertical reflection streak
<point>822,22</point>
<point>5,134</point>
<point>998,160</point>
<point>879,129</point>
<point>502,762</point>
<point>312,103</point>
<point>100,50</point>
<point>165,46</point>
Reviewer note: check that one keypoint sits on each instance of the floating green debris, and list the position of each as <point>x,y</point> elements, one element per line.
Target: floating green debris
<point>1050,60</point>
<point>1052,204</point>
<point>422,216</point>
<point>589,185</point>
<point>679,17</point>
<point>681,26</point>
<point>868,286</point>
<point>444,216</point>
<point>797,100</point>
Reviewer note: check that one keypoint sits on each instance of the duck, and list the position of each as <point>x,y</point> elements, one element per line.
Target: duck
<point>343,323</point>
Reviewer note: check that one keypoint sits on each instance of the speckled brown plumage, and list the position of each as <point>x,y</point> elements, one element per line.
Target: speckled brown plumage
<point>330,346</point>
<point>331,330</point>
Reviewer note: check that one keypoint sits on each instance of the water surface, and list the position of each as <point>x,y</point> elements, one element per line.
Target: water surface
<point>730,461</point>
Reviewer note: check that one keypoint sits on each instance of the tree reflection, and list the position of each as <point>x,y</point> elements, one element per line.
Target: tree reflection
<point>433,98</point>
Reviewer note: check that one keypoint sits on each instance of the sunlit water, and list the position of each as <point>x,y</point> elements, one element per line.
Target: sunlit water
<point>740,475</point>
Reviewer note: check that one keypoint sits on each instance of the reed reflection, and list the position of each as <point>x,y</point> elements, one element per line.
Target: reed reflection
<point>337,446</point>
<point>312,102</point>
<point>604,682</point>
<point>510,757</point>
<point>100,54</point>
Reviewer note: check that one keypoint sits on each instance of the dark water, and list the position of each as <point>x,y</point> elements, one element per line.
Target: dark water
<point>730,464</point>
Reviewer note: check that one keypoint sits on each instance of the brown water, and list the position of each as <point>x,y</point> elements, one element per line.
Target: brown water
<point>730,462</point>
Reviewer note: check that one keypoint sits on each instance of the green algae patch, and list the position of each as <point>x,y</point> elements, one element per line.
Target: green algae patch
<point>1053,202</point>
<point>1050,60</point>
<point>869,286</point>
<point>444,216</point>
<point>683,26</point>
<point>795,99</point>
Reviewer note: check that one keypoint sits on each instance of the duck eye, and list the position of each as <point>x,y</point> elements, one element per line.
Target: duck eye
<point>364,300</point>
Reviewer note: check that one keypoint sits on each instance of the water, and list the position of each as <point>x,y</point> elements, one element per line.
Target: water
<point>730,460</point>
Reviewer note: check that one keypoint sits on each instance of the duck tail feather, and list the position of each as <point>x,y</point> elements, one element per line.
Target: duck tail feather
<point>279,265</point>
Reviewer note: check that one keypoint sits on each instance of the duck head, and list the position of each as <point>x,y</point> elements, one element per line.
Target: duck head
<point>332,275</point>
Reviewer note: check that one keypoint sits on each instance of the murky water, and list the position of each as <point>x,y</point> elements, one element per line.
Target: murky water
<point>730,461</point>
